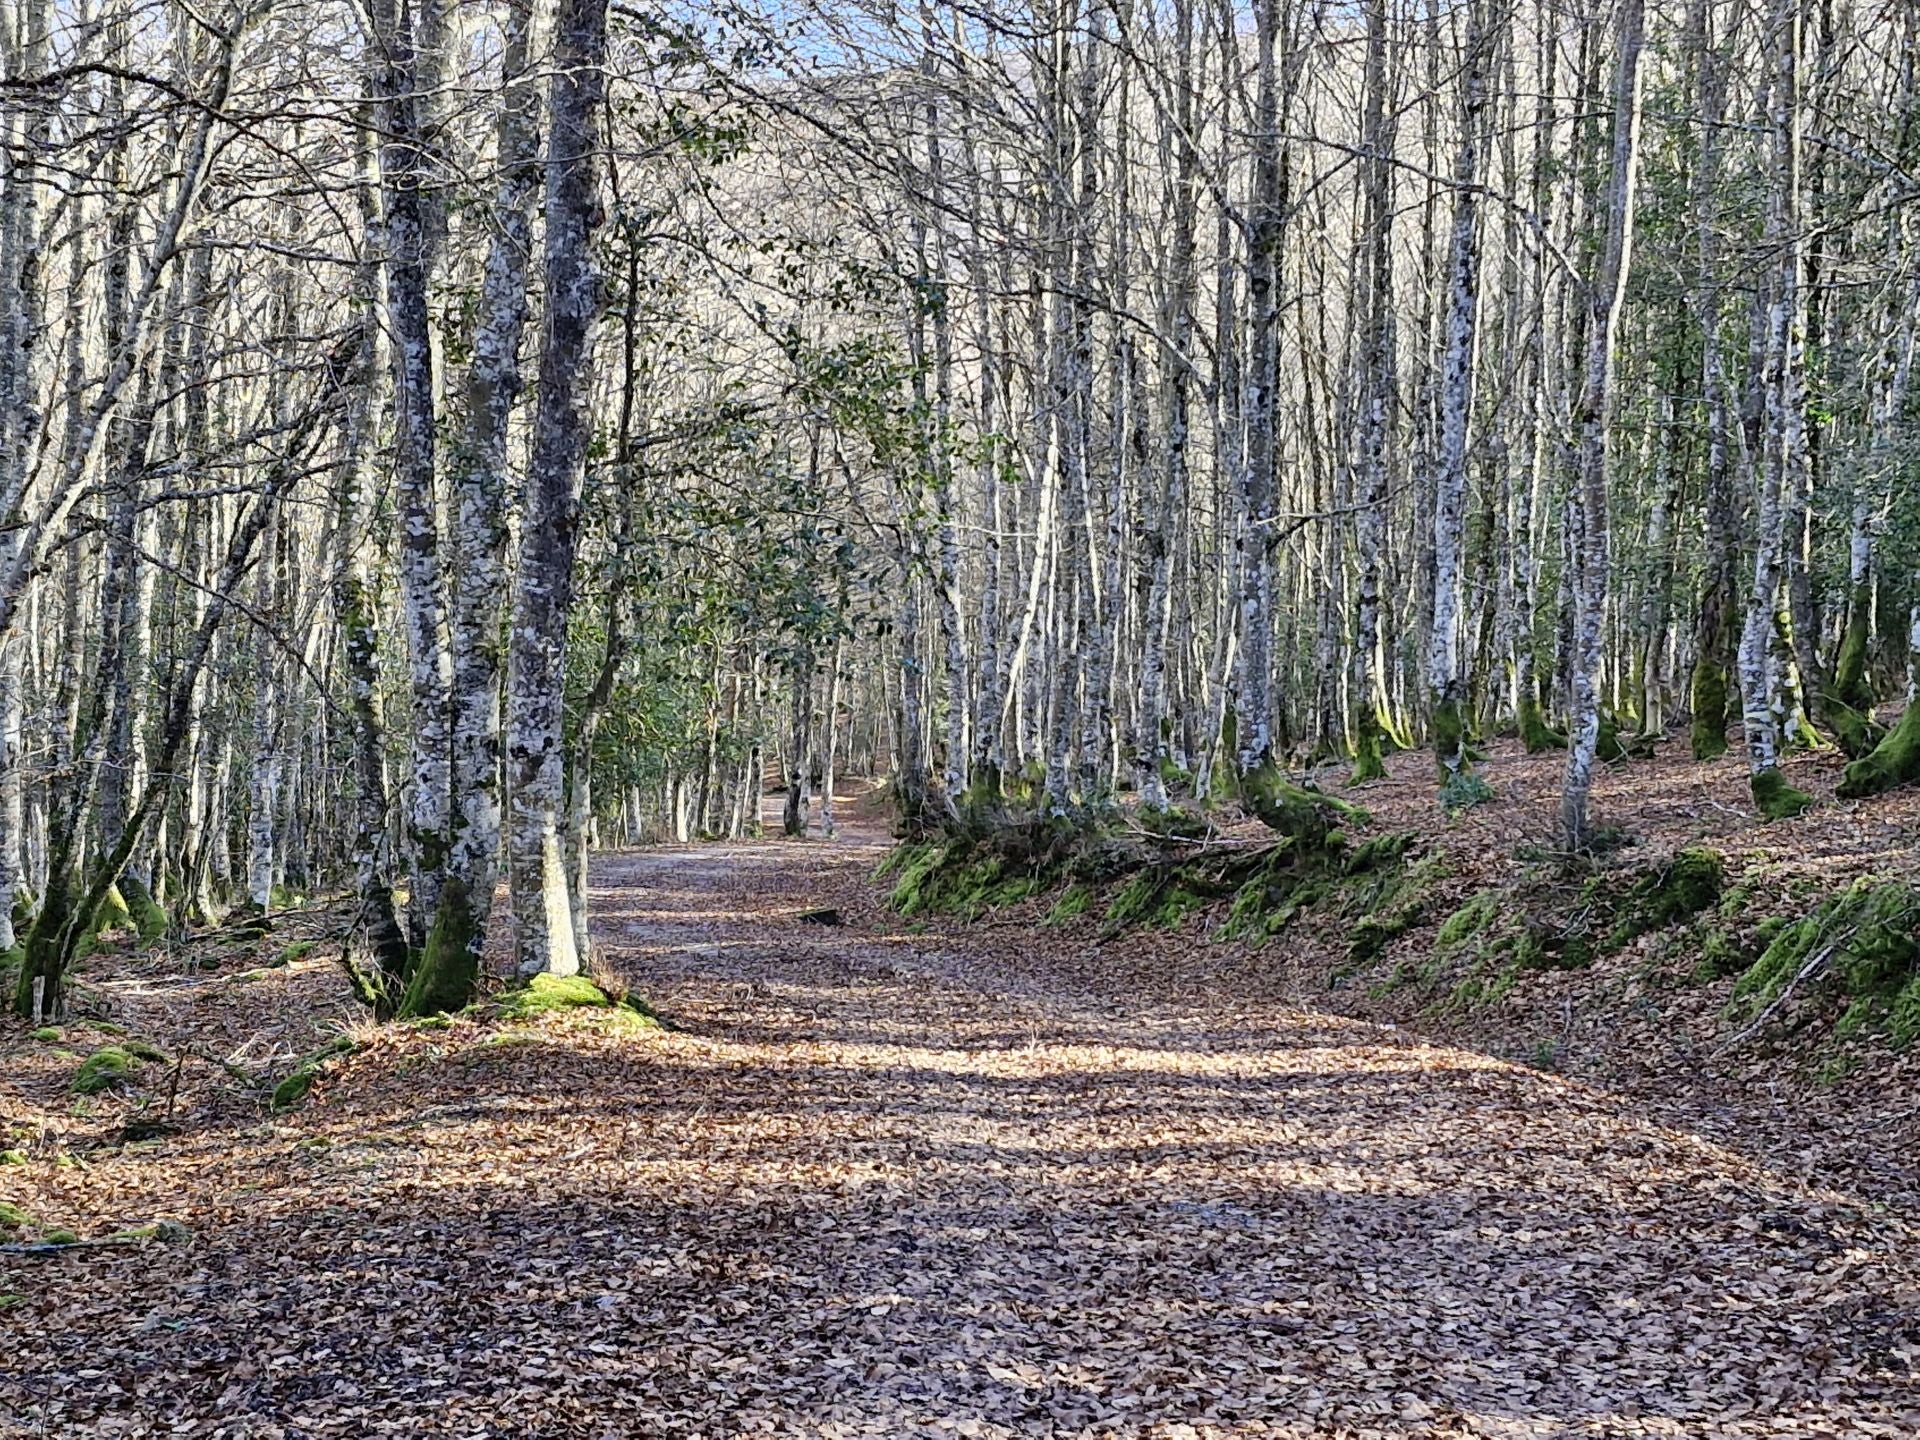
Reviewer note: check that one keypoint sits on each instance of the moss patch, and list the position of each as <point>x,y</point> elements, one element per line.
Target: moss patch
<point>111,1067</point>
<point>1072,904</point>
<point>546,994</point>
<point>296,952</point>
<point>1675,890</point>
<point>293,1089</point>
<point>1862,945</point>
<point>1467,922</point>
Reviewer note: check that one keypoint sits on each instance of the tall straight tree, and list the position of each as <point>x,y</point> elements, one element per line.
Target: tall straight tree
<point>543,592</point>
<point>1606,291</point>
<point>450,964</point>
<point>1446,667</point>
<point>1763,660</point>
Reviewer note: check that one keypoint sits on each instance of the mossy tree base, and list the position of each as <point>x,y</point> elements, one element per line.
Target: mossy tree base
<point>448,970</point>
<point>1894,762</point>
<point>147,916</point>
<point>550,994</point>
<point>1535,734</point>
<point>1775,798</point>
<point>1853,730</point>
<point>1368,741</point>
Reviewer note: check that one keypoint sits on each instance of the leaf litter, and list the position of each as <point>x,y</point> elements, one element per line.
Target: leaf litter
<point>884,1183</point>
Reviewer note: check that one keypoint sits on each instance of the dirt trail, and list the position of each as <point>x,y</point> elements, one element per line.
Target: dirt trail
<point>887,1184</point>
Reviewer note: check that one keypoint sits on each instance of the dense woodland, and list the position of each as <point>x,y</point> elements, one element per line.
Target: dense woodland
<point>436,440</point>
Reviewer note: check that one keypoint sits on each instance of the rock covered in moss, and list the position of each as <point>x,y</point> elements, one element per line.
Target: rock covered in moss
<point>111,1067</point>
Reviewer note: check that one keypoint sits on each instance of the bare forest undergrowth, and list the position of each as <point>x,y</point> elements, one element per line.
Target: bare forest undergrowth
<point>1000,1178</point>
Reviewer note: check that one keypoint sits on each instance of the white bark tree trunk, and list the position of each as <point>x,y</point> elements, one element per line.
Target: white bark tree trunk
<point>1593,416</point>
<point>543,595</point>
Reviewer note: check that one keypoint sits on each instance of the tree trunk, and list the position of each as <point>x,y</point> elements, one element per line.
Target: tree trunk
<point>543,594</point>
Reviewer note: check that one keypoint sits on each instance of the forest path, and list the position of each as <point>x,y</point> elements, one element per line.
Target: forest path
<point>950,1197</point>
<point>880,1183</point>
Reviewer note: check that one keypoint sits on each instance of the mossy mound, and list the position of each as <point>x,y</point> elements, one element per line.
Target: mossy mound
<point>111,1067</point>
<point>1862,944</point>
<point>1672,891</point>
<point>960,877</point>
<point>1161,873</point>
<point>551,994</point>
<point>1550,920</point>
<point>12,1217</point>
<point>1074,902</point>
<point>293,1089</point>
<point>1390,900</point>
<point>1289,879</point>
<point>1158,896</point>
<point>966,874</point>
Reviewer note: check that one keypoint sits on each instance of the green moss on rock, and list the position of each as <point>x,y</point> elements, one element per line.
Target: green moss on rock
<point>111,1067</point>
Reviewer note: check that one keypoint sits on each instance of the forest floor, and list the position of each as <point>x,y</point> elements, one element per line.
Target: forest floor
<point>888,1180</point>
